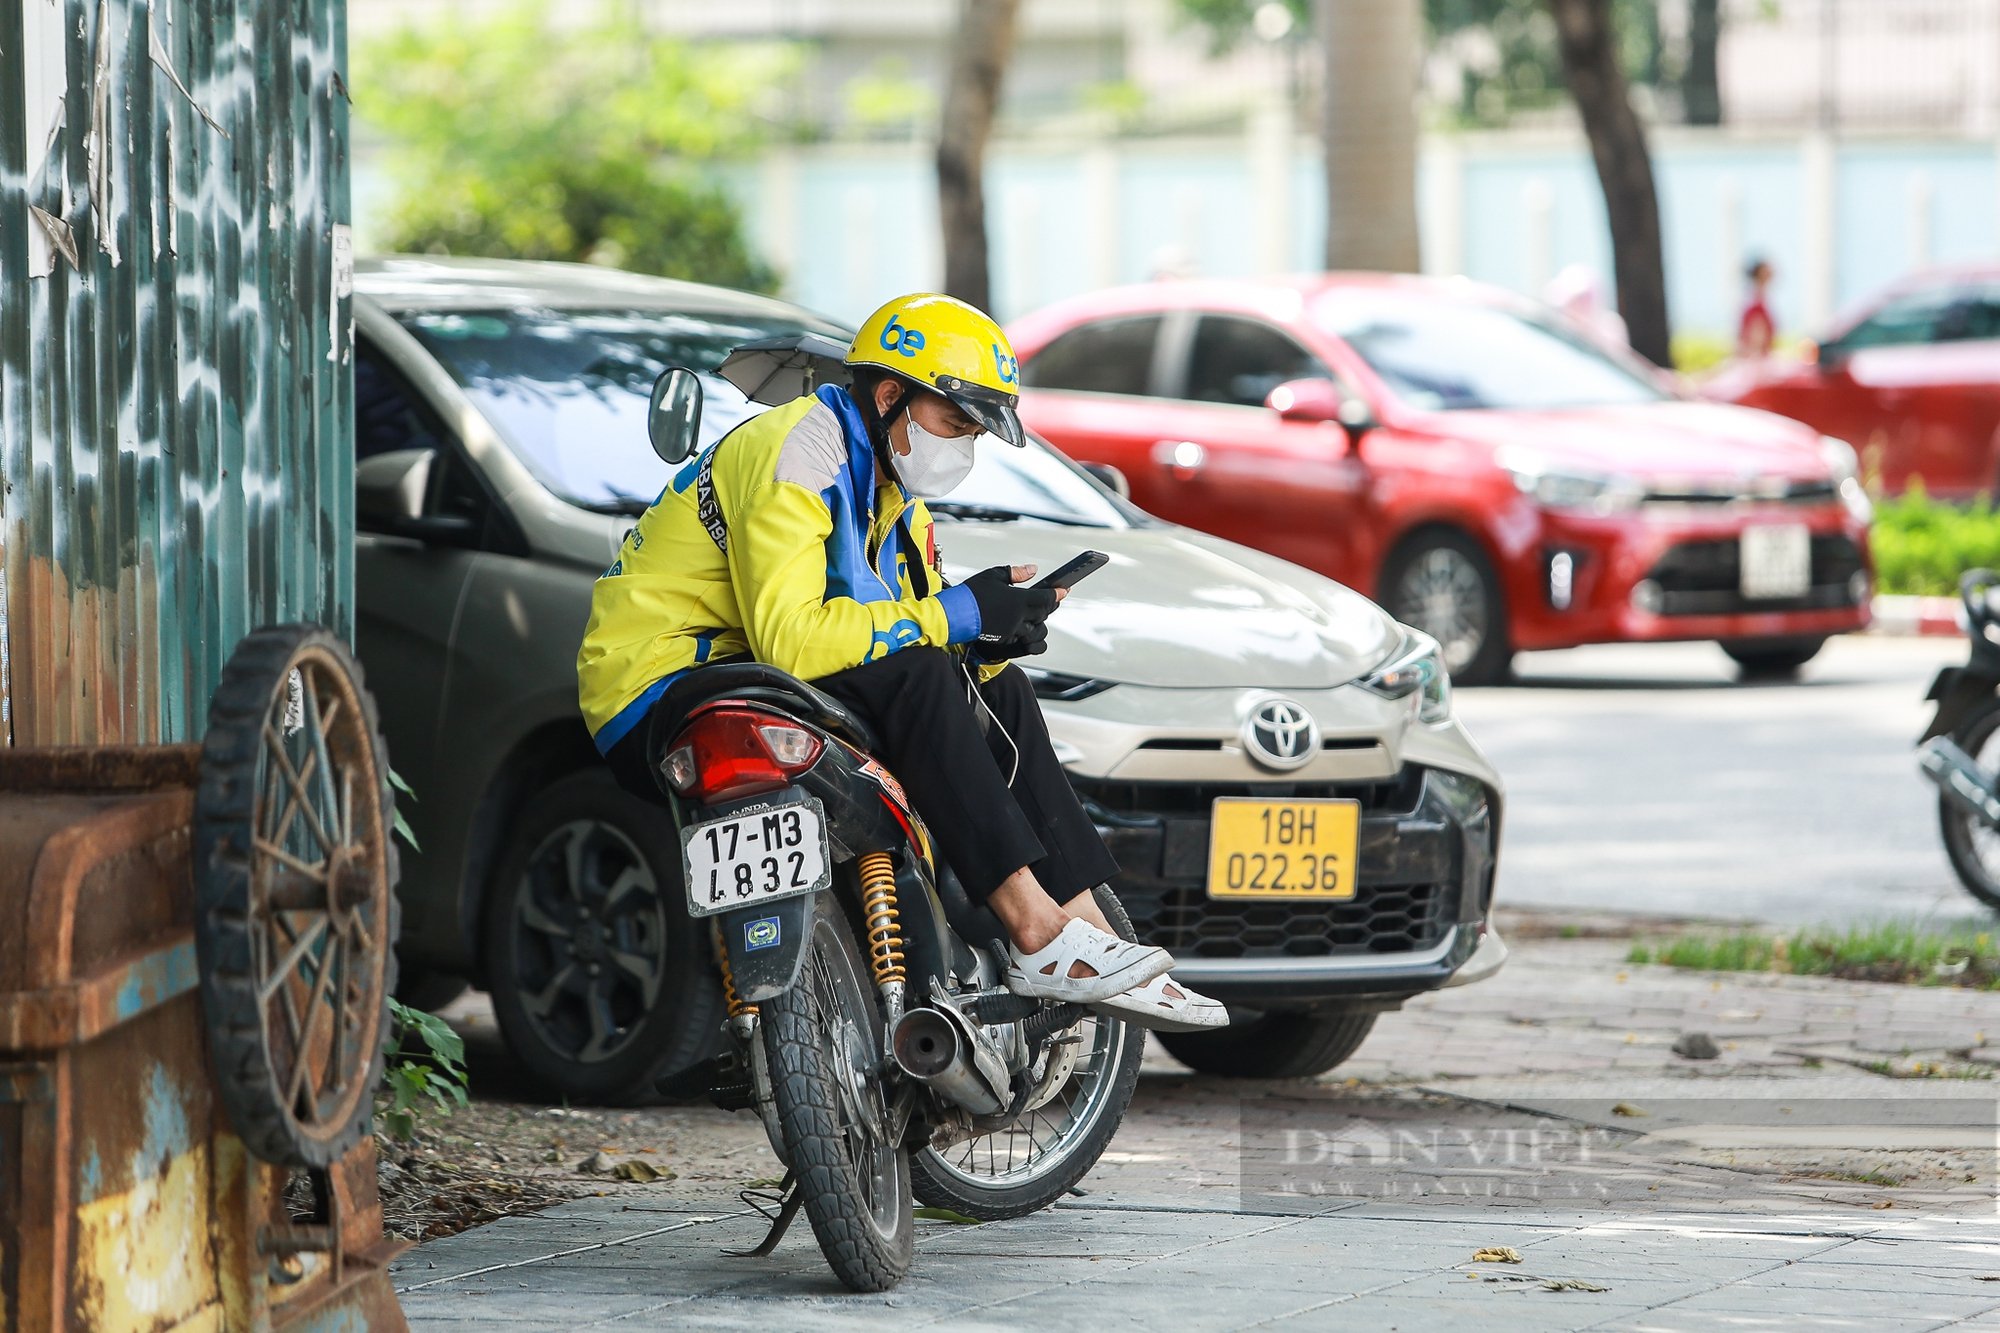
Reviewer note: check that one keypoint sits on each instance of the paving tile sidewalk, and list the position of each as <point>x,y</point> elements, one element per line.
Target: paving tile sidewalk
<point>1789,1183</point>
<point>593,1265</point>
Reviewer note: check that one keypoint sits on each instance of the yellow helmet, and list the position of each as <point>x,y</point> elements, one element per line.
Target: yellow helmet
<point>947,346</point>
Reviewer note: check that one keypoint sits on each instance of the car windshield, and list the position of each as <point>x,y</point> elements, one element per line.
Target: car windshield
<point>1444,355</point>
<point>568,391</point>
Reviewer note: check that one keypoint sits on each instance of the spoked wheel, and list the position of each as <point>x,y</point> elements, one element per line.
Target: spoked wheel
<point>1442,583</point>
<point>822,1040</point>
<point>294,915</point>
<point>1971,844</point>
<point>1027,1165</point>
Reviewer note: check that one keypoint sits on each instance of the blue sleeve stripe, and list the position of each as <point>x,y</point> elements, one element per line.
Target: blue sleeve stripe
<point>633,713</point>
<point>961,613</point>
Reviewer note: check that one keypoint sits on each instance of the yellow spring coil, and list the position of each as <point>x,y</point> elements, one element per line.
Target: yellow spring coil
<point>878,909</point>
<point>731,1001</point>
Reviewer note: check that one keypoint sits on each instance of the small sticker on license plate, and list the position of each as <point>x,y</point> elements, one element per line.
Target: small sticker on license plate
<point>756,855</point>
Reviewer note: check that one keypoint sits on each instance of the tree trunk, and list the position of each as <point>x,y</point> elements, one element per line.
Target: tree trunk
<point>1624,169</point>
<point>1368,118</point>
<point>979,55</point>
<point>1701,82</point>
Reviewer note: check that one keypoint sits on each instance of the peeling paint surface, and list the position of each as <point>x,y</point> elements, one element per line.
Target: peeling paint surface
<point>175,402</point>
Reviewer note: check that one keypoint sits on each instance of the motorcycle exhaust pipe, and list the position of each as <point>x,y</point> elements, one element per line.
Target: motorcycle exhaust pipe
<point>931,1049</point>
<point>1958,776</point>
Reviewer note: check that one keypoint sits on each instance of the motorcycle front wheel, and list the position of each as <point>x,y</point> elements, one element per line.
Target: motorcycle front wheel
<point>1027,1165</point>
<point>1971,844</point>
<point>823,1045</point>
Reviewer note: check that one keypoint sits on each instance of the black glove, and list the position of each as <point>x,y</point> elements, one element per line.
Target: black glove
<point>1011,618</point>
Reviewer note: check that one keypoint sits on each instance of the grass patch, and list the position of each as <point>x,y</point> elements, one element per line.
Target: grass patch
<point>1922,546</point>
<point>1890,951</point>
<point>1882,1178</point>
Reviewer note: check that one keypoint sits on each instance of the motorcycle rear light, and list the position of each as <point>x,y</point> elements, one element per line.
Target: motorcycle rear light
<point>792,747</point>
<point>730,752</point>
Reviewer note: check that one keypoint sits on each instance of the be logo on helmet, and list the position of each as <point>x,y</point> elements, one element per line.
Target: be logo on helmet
<point>897,338</point>
<point>1008,368</point>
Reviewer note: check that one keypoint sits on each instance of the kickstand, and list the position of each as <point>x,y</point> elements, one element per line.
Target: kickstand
<point>779,1207</point>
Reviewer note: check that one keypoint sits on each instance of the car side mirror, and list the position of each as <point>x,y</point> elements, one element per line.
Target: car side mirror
<point>1308,400</point>
<point>389,489</point>
<point>1114,480</point>
<point>1357,419</point>
<point>673,421</point>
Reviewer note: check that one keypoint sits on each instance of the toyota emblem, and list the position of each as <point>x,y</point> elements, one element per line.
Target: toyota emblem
<point>1281,735</point>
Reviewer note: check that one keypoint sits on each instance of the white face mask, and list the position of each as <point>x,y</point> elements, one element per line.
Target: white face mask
<point>936,464</point>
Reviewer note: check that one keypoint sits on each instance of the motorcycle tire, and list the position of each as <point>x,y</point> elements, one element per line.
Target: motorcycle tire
<point>952,1179</point>
<point>1964,834</point>
<point>822,1042</point>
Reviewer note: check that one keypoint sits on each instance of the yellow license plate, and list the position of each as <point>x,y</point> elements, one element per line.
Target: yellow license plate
<point>1283,849</point>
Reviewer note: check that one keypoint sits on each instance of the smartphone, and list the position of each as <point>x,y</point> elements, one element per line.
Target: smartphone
<point>1076,570</point>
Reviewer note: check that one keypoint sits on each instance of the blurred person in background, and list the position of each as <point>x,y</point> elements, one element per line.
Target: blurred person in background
<point>1579,294</point>
<point>1755,329</point>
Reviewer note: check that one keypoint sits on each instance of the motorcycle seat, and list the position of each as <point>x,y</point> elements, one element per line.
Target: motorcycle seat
<point>756,682</point>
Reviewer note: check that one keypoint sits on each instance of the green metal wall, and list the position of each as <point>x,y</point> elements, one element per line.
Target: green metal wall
<point>176,393</point>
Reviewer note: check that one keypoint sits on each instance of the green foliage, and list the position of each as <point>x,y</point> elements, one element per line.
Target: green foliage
<point>1505,49</point>
<point>1898,951</point>
<point>1922,546</point>
<point>428,1080</point>
<point>530,136</point>
<point>888,98</point>
<point>402,824</point>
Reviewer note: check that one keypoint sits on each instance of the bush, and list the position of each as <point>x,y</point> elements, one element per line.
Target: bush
<point>525,137</point>
<point>1921,546</point>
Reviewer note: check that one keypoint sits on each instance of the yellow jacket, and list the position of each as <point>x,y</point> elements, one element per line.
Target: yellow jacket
<point>805,565</point>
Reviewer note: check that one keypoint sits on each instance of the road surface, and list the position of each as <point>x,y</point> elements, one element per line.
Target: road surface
<point>1646,778</point>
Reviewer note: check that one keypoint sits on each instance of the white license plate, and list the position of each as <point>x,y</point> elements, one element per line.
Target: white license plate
<point>1775,560</point>
<point>756,855</point>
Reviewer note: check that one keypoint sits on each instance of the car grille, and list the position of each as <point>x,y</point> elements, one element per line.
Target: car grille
<point>1406,900</point>
<point>1704,579</point>
<point>1381,919</point>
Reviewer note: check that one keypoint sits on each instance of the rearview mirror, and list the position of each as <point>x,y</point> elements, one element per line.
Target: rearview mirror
<point>1306,400</point>
<point>673,421</point>
<point>1114,480</point>
<point>389,488</point>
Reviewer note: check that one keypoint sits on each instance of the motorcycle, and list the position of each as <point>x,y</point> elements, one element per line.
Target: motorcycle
<point>869,1026</point>
<point>1960,750</point>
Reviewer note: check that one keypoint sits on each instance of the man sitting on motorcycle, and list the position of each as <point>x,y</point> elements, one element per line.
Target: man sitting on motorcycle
<point>801,540</point>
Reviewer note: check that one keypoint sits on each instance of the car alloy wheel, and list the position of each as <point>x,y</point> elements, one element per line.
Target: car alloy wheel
<point>590,940</point>
<point>1442,584</point>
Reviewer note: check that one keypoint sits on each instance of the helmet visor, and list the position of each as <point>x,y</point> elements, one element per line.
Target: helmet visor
<point>993,410</point>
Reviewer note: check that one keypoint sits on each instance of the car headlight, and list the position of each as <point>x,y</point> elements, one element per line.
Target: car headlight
<point>1415,671</point>
<point>1844,470</point>
<point>1568,488</point>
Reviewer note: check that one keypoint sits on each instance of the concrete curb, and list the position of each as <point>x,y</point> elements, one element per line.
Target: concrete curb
<point>1930,616</point>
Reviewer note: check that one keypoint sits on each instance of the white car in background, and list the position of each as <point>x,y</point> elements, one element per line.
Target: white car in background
<point>1274,761</point>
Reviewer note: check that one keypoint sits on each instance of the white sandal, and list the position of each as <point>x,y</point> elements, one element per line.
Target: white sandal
<point>1119,965</point>
<point>1150,1006</point>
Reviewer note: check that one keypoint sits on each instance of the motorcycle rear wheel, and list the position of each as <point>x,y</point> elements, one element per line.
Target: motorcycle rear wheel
<point>823,1045</point>
<point>1029,1165</point>
<point>1972,847</point>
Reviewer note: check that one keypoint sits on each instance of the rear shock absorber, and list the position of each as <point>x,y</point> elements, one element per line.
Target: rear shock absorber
<point>885,933</point>
<point>741,1012</point>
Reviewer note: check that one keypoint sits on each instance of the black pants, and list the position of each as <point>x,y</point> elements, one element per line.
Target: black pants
<point>956,774</point>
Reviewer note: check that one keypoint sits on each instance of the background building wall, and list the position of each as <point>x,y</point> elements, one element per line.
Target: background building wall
<point>176,402</point>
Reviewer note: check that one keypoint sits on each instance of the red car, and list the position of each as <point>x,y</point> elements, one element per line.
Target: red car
<point>1476,462</point>
<point>1911,380</point>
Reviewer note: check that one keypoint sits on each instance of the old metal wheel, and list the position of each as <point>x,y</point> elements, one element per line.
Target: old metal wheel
<point>1441,582</point>
<point>294,911</point>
